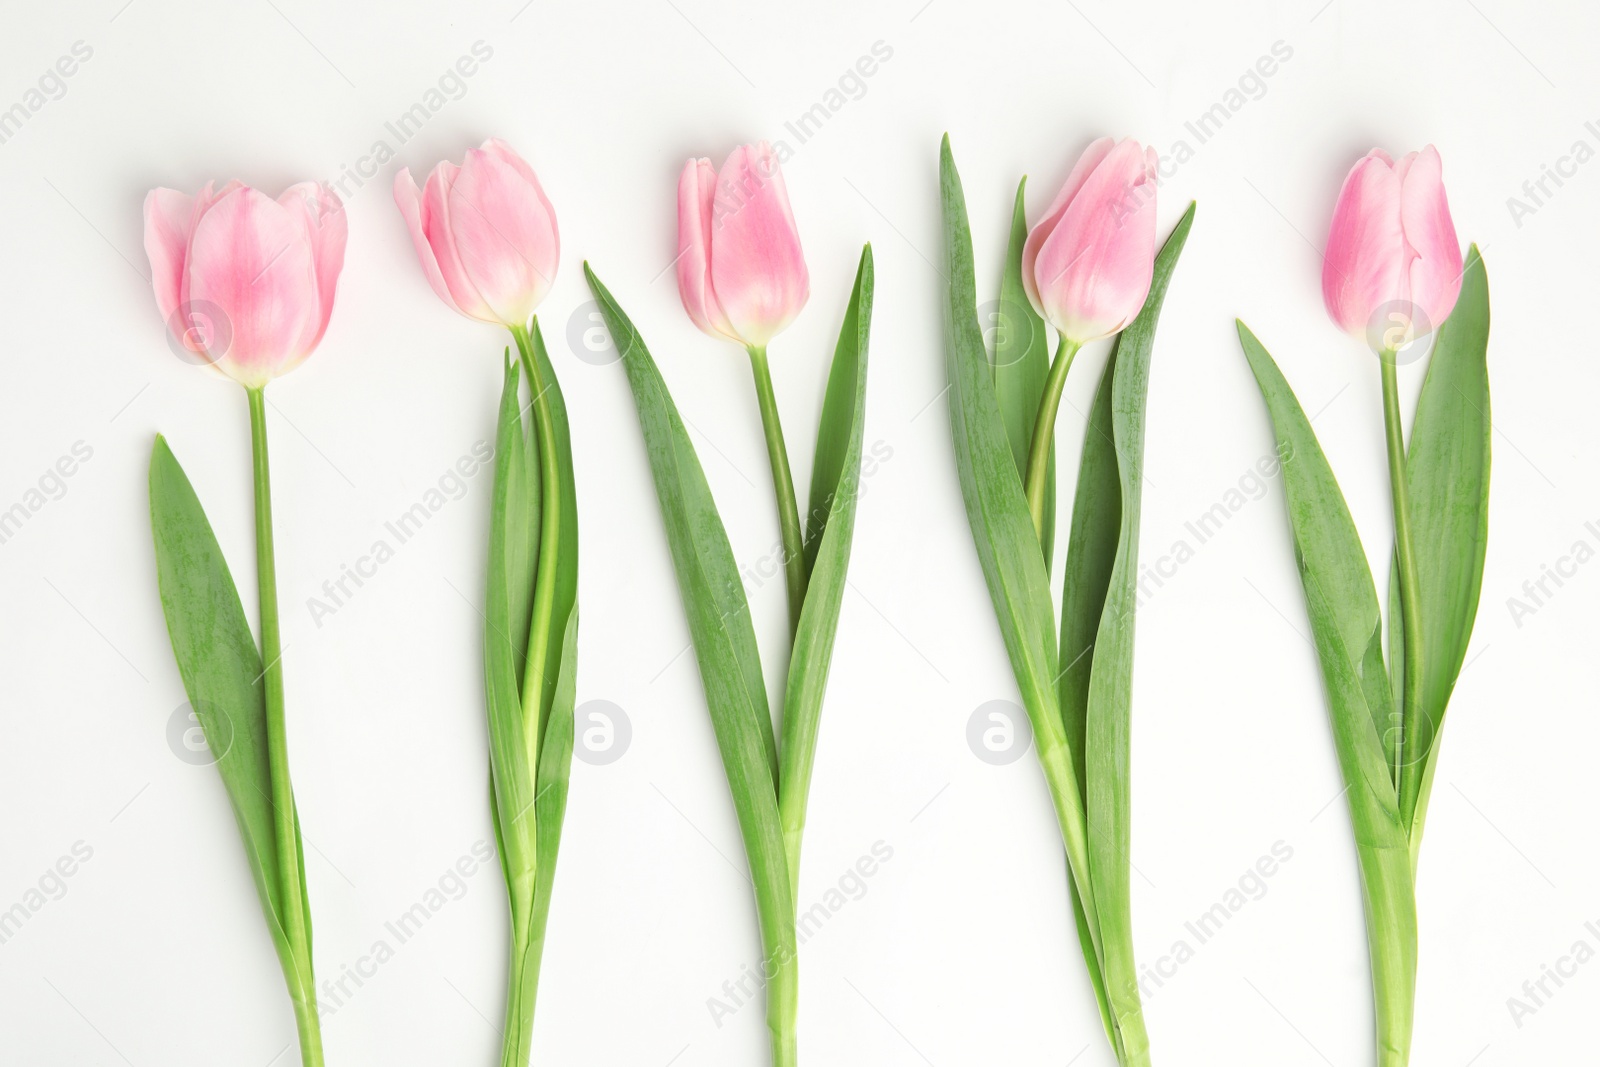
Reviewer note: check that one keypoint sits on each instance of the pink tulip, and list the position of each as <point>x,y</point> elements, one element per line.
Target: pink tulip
<point>1086,265</point>
<point>243,281</point>
<point>741,273</point>
<point>1392,255</point>
<point>485,233</point>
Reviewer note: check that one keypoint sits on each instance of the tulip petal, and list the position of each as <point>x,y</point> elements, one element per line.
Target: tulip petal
<point>408,198</point>
<point>505,233</point>
<point>168,219</point>
<point>251,259</point>
<point>1093,271</point>
<point>758,272</point>
<point>436,226</point>
<point>1435,275</point>
<point>1365,265</point>
<point>1087,162</point>
<point>320,210</point>
<point>697,190</point>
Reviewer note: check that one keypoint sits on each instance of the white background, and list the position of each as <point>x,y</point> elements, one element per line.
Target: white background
<point>960,951</point>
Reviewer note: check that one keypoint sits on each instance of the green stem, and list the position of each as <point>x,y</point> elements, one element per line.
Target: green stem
<point>536,679</point>
<point>1044,428</point>
<point>302,988</point>
<point>1409,753</point>
<point>794,564</point>
<point>783,1007</point>
<point>522,980</point>
<point>1391,911</point>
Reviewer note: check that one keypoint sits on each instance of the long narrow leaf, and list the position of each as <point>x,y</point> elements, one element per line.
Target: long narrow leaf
<point>561,542</point>
<point>520,517</point>
<point>1091,554</point>
<point>221,670</point>
<point>555,772</point>
<point>1021,365</point>
<point>835,484</point>
<point>1003,535</point>
<point>719,622</point>
<point>510,748</point>
<point>1448,473</point>
<point>1110,713</point>
<point>1002,531</point>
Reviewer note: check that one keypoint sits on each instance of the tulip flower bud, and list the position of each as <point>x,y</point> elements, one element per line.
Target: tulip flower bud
<point>485,233</point>
<point>741,273</point>
<point>1393,267</point>
<point>1086,265</point>
<point>244,282</point>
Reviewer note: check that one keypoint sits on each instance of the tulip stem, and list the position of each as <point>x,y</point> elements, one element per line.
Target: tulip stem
<point>794,564</point>
<point>1044,428</point>
<point>297,968</point>
<point>1412,747</point>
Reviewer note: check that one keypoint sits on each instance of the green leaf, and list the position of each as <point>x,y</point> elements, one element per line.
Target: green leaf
<point>521,516</point>
<point>1002,533</point>
<point>1343,608</point>
<point>1110,712</point>
<point>558,545</point>
<point>1091,554</point>
<point>511,751</point>
<point>555,772</point>
<point>1021,365</point>
<point>1447,468</point>
<point>221,670</point>
<point>835,486</point>
<point>719,623</point>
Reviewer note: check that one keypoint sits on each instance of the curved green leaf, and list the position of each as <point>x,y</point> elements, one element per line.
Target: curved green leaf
<point>510,594</point>
<point>1110,707</point>
<point>1021,365</point>
<point>1447,468</point>
<point>221,670</point>
<point>1092,541</point>
<point>1003,535</point>
<point>835,485</point>
<point>719,622</point>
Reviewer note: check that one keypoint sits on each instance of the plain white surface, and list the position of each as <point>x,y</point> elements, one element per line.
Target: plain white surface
<point>959,951</point>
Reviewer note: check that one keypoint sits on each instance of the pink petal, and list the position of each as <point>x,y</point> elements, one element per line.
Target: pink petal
<point>436,226</point>
<point>505,232</point>
<point>1435,275</point>
<point>1365,265</point>
<point>697,188</point>
<point>1087,162</point>
<point>251,259</point>
<point>1093,270</point>
<point>168,219</point>
<point>758,272</point>
<point>408,198</point>
<point>327,229</point>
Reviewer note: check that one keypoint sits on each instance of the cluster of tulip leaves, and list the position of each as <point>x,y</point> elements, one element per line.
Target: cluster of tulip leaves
<point>769,781</point>
<point>1447,474</point>
<point>530,658</point>
<point>1078,693</point>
